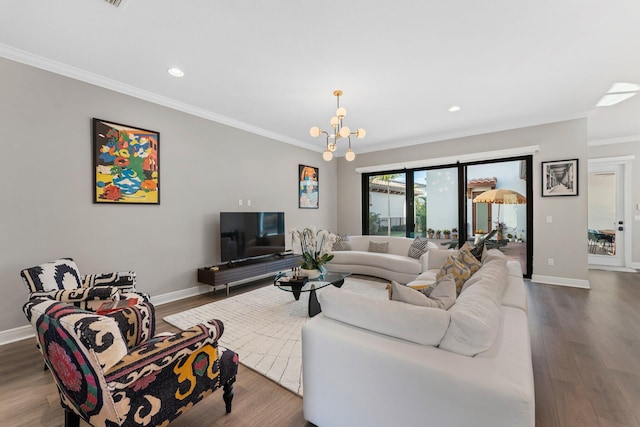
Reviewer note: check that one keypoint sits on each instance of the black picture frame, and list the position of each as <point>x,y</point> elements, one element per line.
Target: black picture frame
<point>560,178</point>
<point>308,187</point>
<point>126,164</point>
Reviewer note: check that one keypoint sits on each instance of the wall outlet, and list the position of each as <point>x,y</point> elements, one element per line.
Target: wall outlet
<point>549,219</point>
<point>248,202</point>
<point>239,202</point>
<point>550,261</point>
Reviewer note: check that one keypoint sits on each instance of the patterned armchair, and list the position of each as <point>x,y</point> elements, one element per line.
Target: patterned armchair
<point>60,280</point>
<point>112,371</point>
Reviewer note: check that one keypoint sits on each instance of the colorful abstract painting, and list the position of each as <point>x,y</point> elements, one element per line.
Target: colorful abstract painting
<point>126,164</point>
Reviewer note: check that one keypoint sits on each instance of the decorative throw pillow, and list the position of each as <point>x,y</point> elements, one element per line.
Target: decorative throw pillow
<point>479,251</point>
<point>470,261</point>
<point>442,296</point>
<point>342,243</point>
<point>455,268</point>
<point>418,247</point>
<point>381,248</point>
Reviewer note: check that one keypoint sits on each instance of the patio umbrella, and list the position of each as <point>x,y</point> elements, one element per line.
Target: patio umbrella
<point>500,196</point>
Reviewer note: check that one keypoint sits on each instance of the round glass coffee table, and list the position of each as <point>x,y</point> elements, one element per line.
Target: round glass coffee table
<point>297,285</point>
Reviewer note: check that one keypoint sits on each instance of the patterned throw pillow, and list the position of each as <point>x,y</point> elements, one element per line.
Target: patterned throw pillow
<point>418,247</point>
<point>466,257</point>
<point>342,243</point>
<point>478,251</point>
<point>381,248</point>
<point>457,269</point>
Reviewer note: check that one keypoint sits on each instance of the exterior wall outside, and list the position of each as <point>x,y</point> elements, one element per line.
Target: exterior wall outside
<point>205,167</point>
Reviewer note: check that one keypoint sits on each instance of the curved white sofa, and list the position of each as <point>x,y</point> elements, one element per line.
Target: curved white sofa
<point>387,363</point>
<point>394,265</point>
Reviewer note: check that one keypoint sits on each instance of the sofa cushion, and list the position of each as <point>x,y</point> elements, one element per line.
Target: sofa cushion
<point>442,294</point>
<point>52,276</point>
<point>475,317</point>
<point>342,243</point>
<point>389,262</point>
<point>437,257</point>
<point>379,247</point>
<point>456,269</point>
<point>419,246</point>
<point>422,325</point>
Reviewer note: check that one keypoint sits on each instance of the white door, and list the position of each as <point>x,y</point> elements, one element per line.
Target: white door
<point>606,220</point>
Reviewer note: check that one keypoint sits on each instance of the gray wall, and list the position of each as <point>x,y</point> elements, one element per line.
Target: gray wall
<point>205,167</point>
<point>564,239</point>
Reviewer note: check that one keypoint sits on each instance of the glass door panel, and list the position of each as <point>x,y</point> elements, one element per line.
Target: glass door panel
<point>496,202</point>
<point>441,202</point>
<point>387,204</point>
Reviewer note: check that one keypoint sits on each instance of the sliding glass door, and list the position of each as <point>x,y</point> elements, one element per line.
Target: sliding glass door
<point>449,205</point>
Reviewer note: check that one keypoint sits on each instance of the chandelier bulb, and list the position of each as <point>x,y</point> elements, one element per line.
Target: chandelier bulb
<point>335,121</point>
<point>332,146</point>
<point>315,131</point>
<point>361,133</point>
<point>341,113</point>
<point>350,155</point>
<point>327,155</point>
<point>345,131</point>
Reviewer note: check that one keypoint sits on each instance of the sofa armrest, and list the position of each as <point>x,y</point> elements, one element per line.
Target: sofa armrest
<point>80,295</point>
<point>156,353</point>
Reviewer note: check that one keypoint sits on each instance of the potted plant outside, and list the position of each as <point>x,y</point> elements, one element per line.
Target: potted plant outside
<point>454,233</point>
<point>438,233</point>
<point>430,233</point>
<point>447,233</point>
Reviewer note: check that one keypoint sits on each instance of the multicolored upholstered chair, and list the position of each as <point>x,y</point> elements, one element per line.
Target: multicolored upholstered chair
<point>112,371</point>
<point>60,280</point>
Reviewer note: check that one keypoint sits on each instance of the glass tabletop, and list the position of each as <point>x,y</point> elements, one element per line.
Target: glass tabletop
<point>287,282</point>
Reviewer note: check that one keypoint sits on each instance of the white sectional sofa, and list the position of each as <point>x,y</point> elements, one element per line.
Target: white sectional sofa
<point>393,265</point>
<point>387,363</point>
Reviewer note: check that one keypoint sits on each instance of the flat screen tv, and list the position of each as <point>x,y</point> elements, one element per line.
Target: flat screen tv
<point>251,234</point>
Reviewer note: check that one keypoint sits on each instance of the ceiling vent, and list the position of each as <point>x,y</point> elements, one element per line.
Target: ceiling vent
<point>117,3</point>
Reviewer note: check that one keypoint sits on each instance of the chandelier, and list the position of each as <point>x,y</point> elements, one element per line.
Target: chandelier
<point>339,131</point>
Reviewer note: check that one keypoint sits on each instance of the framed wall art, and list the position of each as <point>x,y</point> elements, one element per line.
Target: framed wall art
<point>125,164</point>
<point>308,190</point>
<point>560,178</point>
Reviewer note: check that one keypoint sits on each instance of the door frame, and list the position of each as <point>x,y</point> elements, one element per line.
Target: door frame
<point>626,163</point>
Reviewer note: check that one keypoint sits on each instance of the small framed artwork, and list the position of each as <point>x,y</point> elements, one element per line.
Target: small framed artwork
<point>125,164</point>
<point>308,190</point>
<point>560,178</point>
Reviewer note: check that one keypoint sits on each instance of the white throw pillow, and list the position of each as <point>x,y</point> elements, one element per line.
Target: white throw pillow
<point>422,325</point>
<point>442,294</point>
<point>437,257</point>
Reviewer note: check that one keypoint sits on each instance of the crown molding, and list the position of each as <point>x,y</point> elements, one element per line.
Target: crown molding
<point>611,141</point>
<point>126,89</point>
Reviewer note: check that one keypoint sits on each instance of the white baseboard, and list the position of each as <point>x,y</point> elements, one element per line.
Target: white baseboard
<point>561,281</point>
<point>612,268</point>
<point>16,334</point>
<point>181,294</point>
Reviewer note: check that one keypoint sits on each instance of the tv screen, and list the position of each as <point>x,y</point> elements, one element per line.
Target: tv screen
<point>250,234</point>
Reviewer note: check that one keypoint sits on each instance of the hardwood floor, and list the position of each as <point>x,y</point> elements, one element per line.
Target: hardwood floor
<point>585,347</point>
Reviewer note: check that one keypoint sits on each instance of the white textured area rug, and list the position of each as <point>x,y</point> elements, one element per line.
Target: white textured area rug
<point>263,326</point>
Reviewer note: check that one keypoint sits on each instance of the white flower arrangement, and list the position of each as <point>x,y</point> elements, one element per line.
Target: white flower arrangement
<point>315,245</point>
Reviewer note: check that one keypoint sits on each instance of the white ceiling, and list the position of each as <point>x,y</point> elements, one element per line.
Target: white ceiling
<point>271,66</point>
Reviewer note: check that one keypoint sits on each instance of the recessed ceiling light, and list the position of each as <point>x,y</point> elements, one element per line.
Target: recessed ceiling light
<point>454,108</point>
<point>175,72</point>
